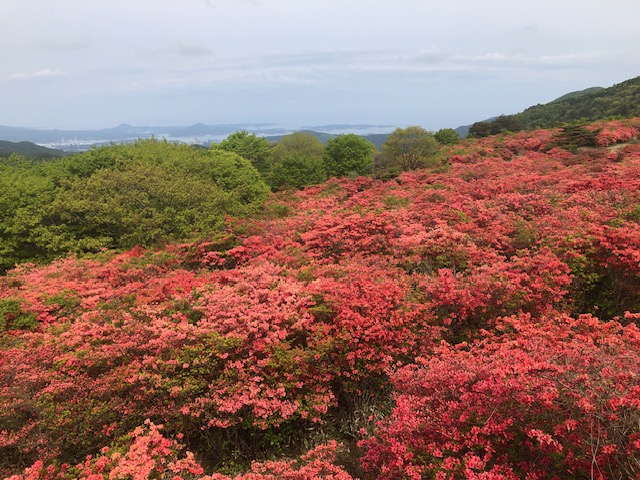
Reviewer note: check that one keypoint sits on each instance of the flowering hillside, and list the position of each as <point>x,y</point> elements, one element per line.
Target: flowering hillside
<point>475,320</point>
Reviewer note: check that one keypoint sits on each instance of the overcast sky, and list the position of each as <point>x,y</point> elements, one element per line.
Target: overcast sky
<point>98,63</point>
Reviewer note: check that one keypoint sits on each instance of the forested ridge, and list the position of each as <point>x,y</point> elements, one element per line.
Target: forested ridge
<point>28,149</point>
<point>439,309</point>
<point>618,101</point>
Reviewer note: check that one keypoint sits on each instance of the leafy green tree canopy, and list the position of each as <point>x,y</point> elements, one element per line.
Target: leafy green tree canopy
<point>118,196</point>
<point>138,204</point>
<point>410,148</point>
<point>227,170</point>
<point>298,142</point>
<point>24,193</point>
<point>447,136</point>
<point>348,155</point>
<point>296,170</point>
<point>256,149</point>
<point>501,124</point>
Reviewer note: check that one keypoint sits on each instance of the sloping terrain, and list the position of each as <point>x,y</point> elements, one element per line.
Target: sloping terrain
<point>590,105</point>
<point>477,318</point>
<point>29,149</point>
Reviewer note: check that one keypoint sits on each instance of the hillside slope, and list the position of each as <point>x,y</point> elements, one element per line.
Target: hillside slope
<point>29,150</point>
<point>620,100</point>
<point>579,93</point>
<point>473,321</point>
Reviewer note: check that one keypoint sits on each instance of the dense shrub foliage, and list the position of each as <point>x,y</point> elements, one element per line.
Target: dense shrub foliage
<point>552,398</point>
<point>120,196</point>
<point>478,321</point>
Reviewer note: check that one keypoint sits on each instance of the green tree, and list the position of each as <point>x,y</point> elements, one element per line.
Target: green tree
<point>136,204</point>
<point>118,196</point>
<point>447,136</point>
<point>409,148</point>
<point>227,170</point>
<point>298,142</point>
<point>256,149</point>
<point>348,155</point>
<point>24,193</point>
<point>479,130</point>
<point>572,137</point>
<point>296,170</point>
<point>501,124</point>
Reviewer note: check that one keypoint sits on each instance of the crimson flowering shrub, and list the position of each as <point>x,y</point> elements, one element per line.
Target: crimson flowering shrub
<point>541,400</point>
<point>147,453</point>
<point>111,369</point>
<point>364,324</point>
<point>529,283</point>
<point>335,236</point>
<point>311,314</point>
<point>615,132</point>
<point>251,348</point>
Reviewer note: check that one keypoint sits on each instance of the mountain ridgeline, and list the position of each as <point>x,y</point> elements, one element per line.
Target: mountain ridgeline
<point>30,150</point>
<point>619,101</point>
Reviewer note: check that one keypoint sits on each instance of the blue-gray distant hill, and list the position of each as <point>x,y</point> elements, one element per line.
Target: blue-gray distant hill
<point>126,132</point>
<point>78,140</point>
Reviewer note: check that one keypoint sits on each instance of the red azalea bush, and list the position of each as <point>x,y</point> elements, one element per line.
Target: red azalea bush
<point>147,453</point>
<point>532,283</point>
<point>615,132</point>
<point>251,347</point>
<point>540,400</point>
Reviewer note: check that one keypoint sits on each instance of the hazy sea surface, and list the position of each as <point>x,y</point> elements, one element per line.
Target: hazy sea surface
<point>206,139</point>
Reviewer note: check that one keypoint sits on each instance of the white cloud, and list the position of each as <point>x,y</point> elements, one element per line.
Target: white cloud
<point>180,48</point>
<point>126,58</point>
<point>504,60</point>
<point>330,67</point>
<point>45,73</point>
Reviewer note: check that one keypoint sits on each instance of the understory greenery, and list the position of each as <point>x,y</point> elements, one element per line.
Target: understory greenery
<point>474,317</point>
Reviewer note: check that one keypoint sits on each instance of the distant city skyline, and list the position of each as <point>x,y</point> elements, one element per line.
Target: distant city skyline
<point>73,64</point>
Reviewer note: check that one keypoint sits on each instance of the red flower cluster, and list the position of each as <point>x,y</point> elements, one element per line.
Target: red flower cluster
<point>146,453</point>
<point>557,397</point>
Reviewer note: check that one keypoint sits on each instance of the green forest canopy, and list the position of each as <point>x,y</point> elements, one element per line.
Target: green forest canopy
<point>120,196</point>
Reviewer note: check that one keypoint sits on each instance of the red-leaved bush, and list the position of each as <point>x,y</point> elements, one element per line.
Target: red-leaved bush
<point>544,399</point>
<point>146,453</point>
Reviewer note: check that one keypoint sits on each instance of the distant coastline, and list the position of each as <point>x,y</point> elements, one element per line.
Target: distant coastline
<point>201,134</point>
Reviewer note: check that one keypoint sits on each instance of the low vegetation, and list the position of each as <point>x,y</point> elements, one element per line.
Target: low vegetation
<point>476,317</point>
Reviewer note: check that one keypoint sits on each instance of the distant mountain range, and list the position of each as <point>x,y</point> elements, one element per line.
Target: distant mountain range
<point>75,140</point>
<point>200,133</point>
